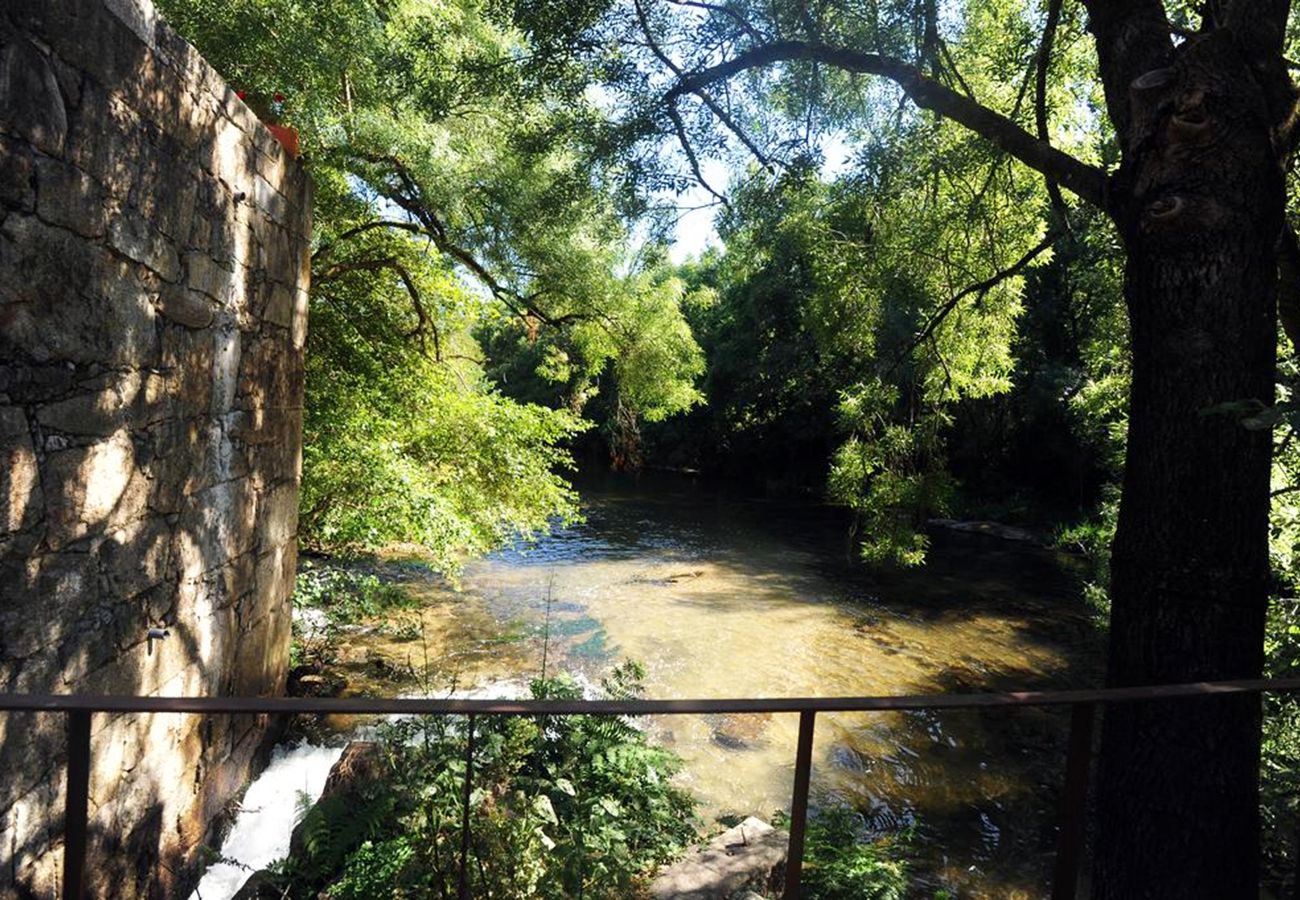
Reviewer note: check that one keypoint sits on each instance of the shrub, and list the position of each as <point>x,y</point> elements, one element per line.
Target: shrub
<point>561,806</point>
<point>840,865</point>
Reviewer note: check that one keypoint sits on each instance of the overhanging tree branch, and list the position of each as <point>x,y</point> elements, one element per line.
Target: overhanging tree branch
<point>1086,181</point>
<point>424,324</point>
<point>699,91</point>
<point>425,221</point>
<point>979,289</point>
<point>720,9</point>
<point>324,249</point>
<point>685,141</point>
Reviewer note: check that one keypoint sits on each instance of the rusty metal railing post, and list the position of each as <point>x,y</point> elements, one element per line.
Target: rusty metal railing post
<point>462,887</point>
<point>76,804</point>
<point>1069,841</point>
<point>799,804</point>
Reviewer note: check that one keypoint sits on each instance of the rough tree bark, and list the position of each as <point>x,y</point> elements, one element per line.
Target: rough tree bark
<point>1199,202</point>
<point>1207,124</point>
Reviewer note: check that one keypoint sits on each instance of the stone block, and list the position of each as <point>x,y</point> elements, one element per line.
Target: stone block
<point>97,413</point>
<point>206,275</point>
<point>231,159</point>
<point>21,500</point>
<point>70,198</point>
<point>17,185</point>
<point>185,307</point>
<point>269,200</point>
<point>132,236</point>
<point>31,105</point>
<point>88,488</point>
<point>278,518</point>
<point>298,330</point>
<point>187,363</point>
<point>64,298</point>
<point>106,140</point>
<point>281,305</point>
<point>135,558</point>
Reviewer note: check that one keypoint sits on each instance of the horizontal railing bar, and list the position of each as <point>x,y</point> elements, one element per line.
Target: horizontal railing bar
<point>427,706</point>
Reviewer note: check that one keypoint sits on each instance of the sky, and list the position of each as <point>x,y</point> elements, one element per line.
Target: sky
<point>695,229</point>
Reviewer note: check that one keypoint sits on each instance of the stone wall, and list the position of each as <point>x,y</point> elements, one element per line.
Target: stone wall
<point>153,272</point>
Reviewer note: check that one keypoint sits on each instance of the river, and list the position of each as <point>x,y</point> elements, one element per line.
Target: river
<point>719,597</point>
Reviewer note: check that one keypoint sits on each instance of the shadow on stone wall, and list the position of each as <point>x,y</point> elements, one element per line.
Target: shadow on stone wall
<point>153,273</point>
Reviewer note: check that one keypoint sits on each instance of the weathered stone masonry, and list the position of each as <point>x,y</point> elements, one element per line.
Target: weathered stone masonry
<point>153,274</point>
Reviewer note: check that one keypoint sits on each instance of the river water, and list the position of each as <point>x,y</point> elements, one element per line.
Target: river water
<point>723,598</point>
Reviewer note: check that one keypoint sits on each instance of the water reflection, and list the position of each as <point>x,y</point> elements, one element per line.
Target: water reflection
<point>722,598</point>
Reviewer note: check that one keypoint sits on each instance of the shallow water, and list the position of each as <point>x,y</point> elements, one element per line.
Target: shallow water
<point>722,598</point>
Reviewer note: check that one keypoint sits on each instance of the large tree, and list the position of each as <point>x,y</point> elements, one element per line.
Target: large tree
<point>1199,124</point>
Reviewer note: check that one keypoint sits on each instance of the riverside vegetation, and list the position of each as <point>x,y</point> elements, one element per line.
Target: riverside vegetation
<point>930,215</point>
<point>562,806</point>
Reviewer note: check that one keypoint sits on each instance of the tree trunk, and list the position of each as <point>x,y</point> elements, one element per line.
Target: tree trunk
<point>1199,203</point>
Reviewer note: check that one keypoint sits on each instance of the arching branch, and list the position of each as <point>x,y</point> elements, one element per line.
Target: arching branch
<point>424,324</point>
<point>699,91</point>
<point>426,222</point>
<point>980,289</point>
<point>325,249</point>
<point>685,141</point>
<point>1087,181</point>
<point>721,9</point>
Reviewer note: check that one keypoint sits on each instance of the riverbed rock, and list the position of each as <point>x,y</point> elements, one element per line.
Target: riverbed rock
<point>361,764</point>
<point>739,731</point>
<point>311,680</point>
<point>991,529</point>
<point>747,858</point>
<point>261,885</point>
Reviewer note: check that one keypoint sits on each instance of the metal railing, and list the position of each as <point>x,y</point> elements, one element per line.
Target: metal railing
<point>79,708</point>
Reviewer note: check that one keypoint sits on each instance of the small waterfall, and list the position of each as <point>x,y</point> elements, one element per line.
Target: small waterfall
<point>268,813</point>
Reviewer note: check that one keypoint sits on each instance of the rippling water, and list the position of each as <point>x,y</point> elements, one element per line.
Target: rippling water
<point>720,598</point>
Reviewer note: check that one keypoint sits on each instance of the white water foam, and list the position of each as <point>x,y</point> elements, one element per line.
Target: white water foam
<point>269,810</point>
<point>270,807</point>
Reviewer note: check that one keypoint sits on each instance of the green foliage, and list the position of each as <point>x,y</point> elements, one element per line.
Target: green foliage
<point>402,449</point>
<point>375,871</point>
<point>839,337</point>
<point>890,475</point>
<point>1279,774</point>
<point>327,598</point>
<point>636,357</point>
<point>458,191</point>
<point>346,596</point>
<point>841,864</point>
<point>561,807</point>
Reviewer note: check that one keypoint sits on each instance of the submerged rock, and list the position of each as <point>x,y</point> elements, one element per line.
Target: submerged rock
<point>991,529</point>
<point>738,731</point>
<point>310,680</point>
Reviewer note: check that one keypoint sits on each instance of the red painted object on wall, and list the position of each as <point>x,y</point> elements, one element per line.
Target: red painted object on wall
<point>288,138</point>
<point>270,112</point>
